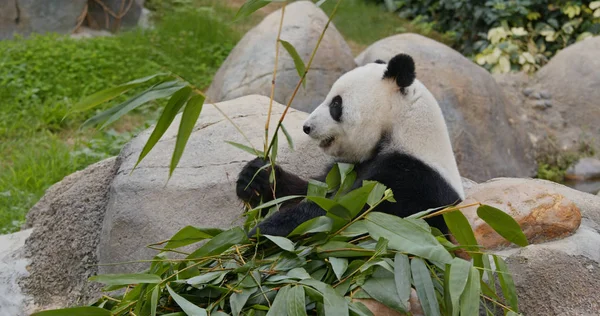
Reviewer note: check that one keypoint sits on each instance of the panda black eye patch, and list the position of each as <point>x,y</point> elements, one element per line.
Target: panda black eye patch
<point>335,108</point>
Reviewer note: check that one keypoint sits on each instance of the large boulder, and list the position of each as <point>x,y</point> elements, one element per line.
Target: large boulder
<point>145,208</point>
<point>487,139</point>
<point>62,247</point>
<point>571,79</point>
<point>559,277</point>
<point>248,68</point>
<point>114,14</point>
<point>39,16</point>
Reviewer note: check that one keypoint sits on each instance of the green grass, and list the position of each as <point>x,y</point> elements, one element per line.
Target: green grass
<point>42,76</point>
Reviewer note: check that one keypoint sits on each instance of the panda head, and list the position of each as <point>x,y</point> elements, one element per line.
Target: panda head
<point>361,108</point>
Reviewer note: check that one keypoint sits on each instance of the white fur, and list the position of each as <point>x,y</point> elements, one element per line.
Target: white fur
<point>373,106</point>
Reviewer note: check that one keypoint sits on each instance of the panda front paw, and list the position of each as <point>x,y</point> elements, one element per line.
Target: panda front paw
<point>253,182</point>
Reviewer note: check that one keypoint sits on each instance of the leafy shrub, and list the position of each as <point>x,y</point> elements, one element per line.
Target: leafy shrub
<point>505,35</point>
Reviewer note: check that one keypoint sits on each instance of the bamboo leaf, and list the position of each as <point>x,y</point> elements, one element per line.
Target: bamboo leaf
<point>405,236</point>
<point>237,300</point>
<point>334,303</point>
<point>402,277</point>
<point>188,120</point>
<point>503,224</point>
<point>75,311</point>
<point>381,287</point>
<point>251,6</point>
<point>469,300</point>
<point>279,307</point>
<point>461,230</point>
<point>274,147</point>
<point>339,266</point>
<point>296,301</point>
<point>189,235</point>
<point>282,242</point>
<point>276,201</point>
<point>154,300</point>
<point>424,287</point>
<point>159,91</point>
<point>247,149</point>
<point>457,280</point>
<point>506,283</point>
<point>290,141</point>
<point>316,188</point>
<point>220,243</point>
<point>300,67</point>
<point>188,307</point>
<point>123,279</point>
<point>164,121</point>
<point>315,225</point>
<point>333,178</point>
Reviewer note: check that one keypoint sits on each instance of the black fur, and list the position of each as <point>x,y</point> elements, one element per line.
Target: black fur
<point>379,61</point>
<point>335,108</point>
<point>401,68</point>
<point>416,186</point>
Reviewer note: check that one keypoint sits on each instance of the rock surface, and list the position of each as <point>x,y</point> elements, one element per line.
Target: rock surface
<point>143,208</point>
<point>12,269</point>
<point>585,168</point>
<point>248,68</point>
<point>39,16</point>
<point>487,140</point>
<point>129,12</point>
<point>542,213</point>
<point>62,247</point>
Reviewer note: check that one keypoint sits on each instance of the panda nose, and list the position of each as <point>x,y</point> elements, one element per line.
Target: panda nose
<point>306,129</point>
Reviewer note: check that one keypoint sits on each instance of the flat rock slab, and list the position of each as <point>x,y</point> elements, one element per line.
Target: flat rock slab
<point>542,213</point>
<point>488,142</point>
<point>248,68</point>
<point>12,268</point>
<point>144,208</point>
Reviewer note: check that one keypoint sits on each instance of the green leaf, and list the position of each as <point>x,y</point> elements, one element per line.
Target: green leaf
<point>503,224</point>
<point>237,300</point>
<point>402,277</point>
<point>279,308</point>
<point>188,307</point>
<point>205,278</point>
<point>189,235</point>
<point>276,201</point>
<point>424,287</point>
<point>469,300</point>
<point>459,274</point>
<point>333,178</point>
<point>300,67</point>
<point>315,225</point>
<point>247,149</point>
<point>461,230</point>
<point>376,194</point>
<point>296,301</point>
<point>75,311</point>
<point>249,7</point>
<point>110,93</point>
<point>339,266</point>
<point>159,91</point>
<point>186,126</point>
<point>342,249</point>
<point>406,236</point>
<point>220,243</point>
<point>282,242</point>
<point>288,137</point>
<point>323,202</point>
<point>123,279</point>
<point>164,121</point>
<point>334,303</point>
<point>316,188</point>
<point>506,283</point>
<point>154,300</point>
<point>381,287</point>
<point>355,200</point>
<point>274,148</point>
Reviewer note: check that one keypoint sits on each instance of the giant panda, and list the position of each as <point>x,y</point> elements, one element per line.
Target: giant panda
<point>385,122</point>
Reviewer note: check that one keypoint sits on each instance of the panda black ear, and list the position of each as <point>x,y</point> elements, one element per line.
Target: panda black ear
<point>401,68</point>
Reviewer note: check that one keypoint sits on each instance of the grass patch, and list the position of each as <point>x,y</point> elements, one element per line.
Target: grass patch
<point>42,76</point>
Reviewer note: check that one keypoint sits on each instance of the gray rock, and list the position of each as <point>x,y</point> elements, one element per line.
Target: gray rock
<point>62,247</point>
<point>12,268</point>
<point>143,208</point>
<point>39,16</point>
<point>585,168</point>
<point>527,91</point>
<point>573,78</point>
<point>487,141</point>
<point>544,94</point>
<point>540,104</point>
<point>248,68</point>
<point>535,96</point>
<point>129,13</point>
<point>548,103</point>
